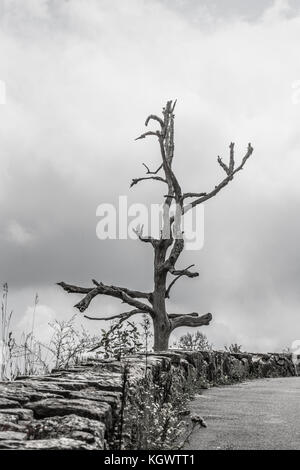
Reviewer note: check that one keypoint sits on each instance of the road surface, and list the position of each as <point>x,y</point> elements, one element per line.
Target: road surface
<point>259,414</point>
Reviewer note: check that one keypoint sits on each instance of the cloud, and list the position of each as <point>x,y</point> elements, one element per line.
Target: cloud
<point>37,319</point>
<point>17,234</point>
<point>80,79</point>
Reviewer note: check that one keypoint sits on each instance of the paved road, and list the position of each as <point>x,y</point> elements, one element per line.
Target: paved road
<point>260,414</point>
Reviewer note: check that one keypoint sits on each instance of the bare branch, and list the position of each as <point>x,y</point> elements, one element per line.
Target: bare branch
<point>155,118</point>
<point>71,289</point>
<point>142,136</point>
<point>223,183</point>
<point>179,274</point>
<point>137,180</point>
<point>177,315</point>
<point>74,289</point>
<point>85,302</point>
<point>139,233</point>
<point>191,320</point>
<point>183,272</point>
<point>228,169</point>
<point>173,107</point>
<point>225,167</point>
<point>186,195</point>
<point>113,291</point>
<point>132,293</point>
<point>122,316</point>
<point>136,294</point>
<point>231,158</point>
<point>152,172</point>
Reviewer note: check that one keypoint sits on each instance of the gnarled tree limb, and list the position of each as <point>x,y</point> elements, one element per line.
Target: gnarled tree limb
<point>72,289</point>
<point>113,291</point>
<point>190,320</point>
<point>179,315</point>
<point>155,118</point>
<point>136,294</point>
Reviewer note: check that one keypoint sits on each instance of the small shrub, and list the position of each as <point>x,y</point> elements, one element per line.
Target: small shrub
<point>193,342</point>
<point>154,412</point>
<point>120,340</point>
<point>234,348</point>
<point>68,343</point>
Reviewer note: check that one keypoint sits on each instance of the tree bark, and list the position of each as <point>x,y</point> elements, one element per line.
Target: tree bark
<point>161,322</point>
<point>161,335</point>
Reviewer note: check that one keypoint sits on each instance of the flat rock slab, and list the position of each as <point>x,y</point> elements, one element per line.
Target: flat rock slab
<point>19,413</point>
<point>78,382</point>
<point>15,435</point>
<point>46,444</point>
<point>7,403</point>
<point>61,407</point>
<point>259,414</point>
<point>112,398</point>
<point>19,393</point>
<point>71,426</point>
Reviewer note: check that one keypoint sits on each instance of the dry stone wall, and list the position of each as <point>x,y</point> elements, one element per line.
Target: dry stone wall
<point>80,407</point>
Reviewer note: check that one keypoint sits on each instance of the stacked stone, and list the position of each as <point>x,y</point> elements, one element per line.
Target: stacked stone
<point>80,407</point>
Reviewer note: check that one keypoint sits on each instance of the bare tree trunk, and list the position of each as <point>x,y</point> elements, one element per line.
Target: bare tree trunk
<point>161,322</point>
<point>161,335</point>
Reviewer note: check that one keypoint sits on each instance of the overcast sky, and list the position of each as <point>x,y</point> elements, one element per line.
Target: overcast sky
<point>81,76</point>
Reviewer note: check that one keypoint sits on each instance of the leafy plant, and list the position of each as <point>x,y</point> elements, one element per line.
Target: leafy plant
<point>120,340</point>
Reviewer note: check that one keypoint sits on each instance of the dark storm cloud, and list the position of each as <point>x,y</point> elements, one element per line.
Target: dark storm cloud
<point>80,79</point>
<point>198,11</point>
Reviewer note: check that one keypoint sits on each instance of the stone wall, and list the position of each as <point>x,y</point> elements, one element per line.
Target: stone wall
<point>80,407</point>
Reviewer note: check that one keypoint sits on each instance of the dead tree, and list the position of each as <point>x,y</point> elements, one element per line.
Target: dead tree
<point>168,247</point>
